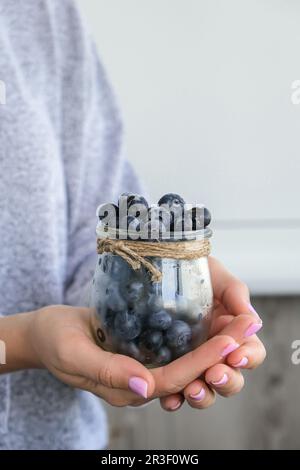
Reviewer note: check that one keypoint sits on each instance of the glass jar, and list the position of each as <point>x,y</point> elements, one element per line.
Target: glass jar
<point>153,322</point>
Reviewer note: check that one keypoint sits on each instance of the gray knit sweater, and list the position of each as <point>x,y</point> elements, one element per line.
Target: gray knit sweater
<point>60,156</point>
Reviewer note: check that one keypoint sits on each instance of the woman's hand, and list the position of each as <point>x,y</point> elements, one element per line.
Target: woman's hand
<point>231,301</point>
<point>62,340</point>
<point>62,337</point>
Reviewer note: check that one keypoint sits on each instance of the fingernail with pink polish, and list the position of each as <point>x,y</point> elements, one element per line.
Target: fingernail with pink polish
<point>243,362</point>
<point>231,347</point>
<point>198,396</point>
<point>175,406</point>
<point>222,381</point>
<point>252,329</point>
<point>252,310</point>
<point>138,386</point>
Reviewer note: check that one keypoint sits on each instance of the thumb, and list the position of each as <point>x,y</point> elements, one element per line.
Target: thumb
<point>112,370</point>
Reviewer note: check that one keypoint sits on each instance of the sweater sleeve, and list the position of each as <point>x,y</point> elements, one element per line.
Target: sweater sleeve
<point>4,392</point>
<point>96,170</point>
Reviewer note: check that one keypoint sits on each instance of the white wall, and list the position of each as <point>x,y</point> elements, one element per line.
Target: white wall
<point>205,89</point>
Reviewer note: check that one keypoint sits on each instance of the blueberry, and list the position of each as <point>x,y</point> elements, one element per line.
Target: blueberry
<point>163,356</point>
<point>139,308</point>
<point>171,199</point>
<point>155,303</point>
<point>139,212</point>
<point>134,292</point>
<point>160,320</point>
<point>151,340</point>
<point>131,225</point>
<point>181,351</point>
<point>132,204</point>
<point>201,217</point>
<point>175,204</point>
<point>160,213</point>
<point>133,199</point>
<point>108,214</point>
<point>183,224</point>
<point>127,325</point>
<point>137,206</point>
<point>207,217</point>
<point>119,269</point>
<point>114,300</point>
<point>131,349</point>
<point>153,230</point>
<point>178,335</point>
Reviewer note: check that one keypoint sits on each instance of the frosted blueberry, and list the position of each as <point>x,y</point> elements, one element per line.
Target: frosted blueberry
<point>178,335</point>
<point>201,217</point>
<point>151,340</point>
<point>171,200</point>
<point>114,300</point>
<point>160,320</point>
<point>175,204</point>
<point>108,214</point>
<point>153,230</point>
<point>131,349</point>
<point>155,303</point>
<point>119,269</point>
<point>127,325</point>
<point>134,291</point>
<point>163,356</point>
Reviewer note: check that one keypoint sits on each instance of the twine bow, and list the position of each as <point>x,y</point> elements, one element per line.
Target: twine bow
<point>135,252</point>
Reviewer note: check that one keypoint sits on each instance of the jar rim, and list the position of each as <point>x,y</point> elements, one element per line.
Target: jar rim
<point>121,234</point>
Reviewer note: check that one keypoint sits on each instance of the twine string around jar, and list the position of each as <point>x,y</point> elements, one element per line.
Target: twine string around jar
<point>135,252</point>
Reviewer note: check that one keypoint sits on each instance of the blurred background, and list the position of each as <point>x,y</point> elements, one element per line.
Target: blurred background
<point>208,92</point>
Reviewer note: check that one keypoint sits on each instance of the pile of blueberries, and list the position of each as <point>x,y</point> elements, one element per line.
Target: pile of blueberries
<point>136,219</point>
<point>131,308</point>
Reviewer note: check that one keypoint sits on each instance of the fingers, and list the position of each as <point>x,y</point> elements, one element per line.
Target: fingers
<point>113,396</point>
<point>242,328</point>
<point>104,368</point>
<point>224,380</point>
<point>199,395</point>
<point>175,376</point>
<point>219,323</point>
<point>116,397</point>
<point>228,290</point>
<point>249,356</point>
<point>172,402</point>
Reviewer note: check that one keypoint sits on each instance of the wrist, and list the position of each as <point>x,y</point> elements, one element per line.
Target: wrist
<point>15,332</point>
<point>31,356</point>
